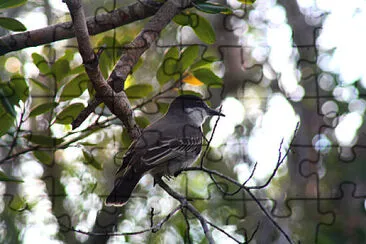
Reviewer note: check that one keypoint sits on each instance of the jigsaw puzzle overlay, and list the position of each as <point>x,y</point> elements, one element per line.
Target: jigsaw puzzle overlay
<point>284,166</point>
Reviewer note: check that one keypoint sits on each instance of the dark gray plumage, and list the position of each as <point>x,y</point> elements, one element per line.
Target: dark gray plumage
<point>170,144</point>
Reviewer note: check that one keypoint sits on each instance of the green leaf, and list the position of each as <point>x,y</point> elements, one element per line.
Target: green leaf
<point>142,121</point>
<point>168,68</point>
<point>182,19</point>
<point>6,120</point>
<point>188,56</point>
<point>91,89</point>
<point>11,3</point>
<point>204,30</point>
<point>104,65</point>
<point>42,108</point>
<point>138,91</point>
<point>41,63</point>
<point>60,69</point>
<point>172,52</point>
<point>15,90</point>
<point>11,24</point>
<point>20,86</point>
<point>4,177</point>
<point>213,8</point>
<point>89,144</point>
<point>188,92</point>
<point>7,107</point>
<point>19,204</point>
<point>170,61</point>
<point>75,87</point>
<point>43,140</point>
<point>109,56</point>
<point>130,80</point>
<point>126,140</point>
<point>43,157</point>
<point>67,115</point>
<point>208,77</point>
<point>77,70</point>
<point>40,85</point>
<point>163,107</point>
<point>163,78</point>
<point>249,2</point>
<point>137,65</point>
<point>201,26</point>
<point>68,55</point>
<point>90,159</point>
<point>204,63</point>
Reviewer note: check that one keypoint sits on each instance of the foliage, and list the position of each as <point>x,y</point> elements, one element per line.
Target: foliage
<point>11,23</point>
<point>36,114</point>
<point>200,26</point>
<point>61,90</point>
<point>189,64</point>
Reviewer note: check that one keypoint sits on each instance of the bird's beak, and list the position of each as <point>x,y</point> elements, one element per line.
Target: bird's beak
<point>213,112</point>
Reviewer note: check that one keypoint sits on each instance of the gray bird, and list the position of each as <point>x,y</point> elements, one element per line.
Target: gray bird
<point>165,147</point>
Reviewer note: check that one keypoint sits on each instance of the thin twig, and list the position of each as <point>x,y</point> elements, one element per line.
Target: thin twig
<point>160,224</point>
<point>247,189</point>
<point>251,174</point>
<point>187,224</point>
<point>153,229</point>
<point>14,155</point>
<point>15,138</point>
<point>189,207</point>
<point>279,161</point>
<point>245,182</point>
<point>211,137</point>
<point>223,231</point>
<point>263,209</point>
<point>151,217</point>
<point>83,133</point>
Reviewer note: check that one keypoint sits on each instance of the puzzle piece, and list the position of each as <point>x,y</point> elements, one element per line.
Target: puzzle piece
<point>317,196</point>
<point>348,208</point>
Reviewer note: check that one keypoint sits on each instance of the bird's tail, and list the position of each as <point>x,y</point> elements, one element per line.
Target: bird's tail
<point>123,188</point>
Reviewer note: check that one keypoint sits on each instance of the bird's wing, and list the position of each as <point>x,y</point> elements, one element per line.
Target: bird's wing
<point>153,148</point>
<point>127,159</point>
<point>172,148</point>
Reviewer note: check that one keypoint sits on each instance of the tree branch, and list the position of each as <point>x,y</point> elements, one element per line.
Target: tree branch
<point>134,50</point>
<point>117,102</point>
<point>96,24</point>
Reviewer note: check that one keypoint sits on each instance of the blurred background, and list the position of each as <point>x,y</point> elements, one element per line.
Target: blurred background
<point>290,79</point>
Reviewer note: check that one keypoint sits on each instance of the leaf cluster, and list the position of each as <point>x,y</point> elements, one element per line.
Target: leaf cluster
<point>11,23</point>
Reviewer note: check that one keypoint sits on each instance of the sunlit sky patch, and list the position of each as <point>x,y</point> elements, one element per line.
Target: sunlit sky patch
<point>342,50</point>
<point>344,32</point>
<point>234,115</point>
<point>347,128</point>
<point>41,223</point>
<point>277,124</point>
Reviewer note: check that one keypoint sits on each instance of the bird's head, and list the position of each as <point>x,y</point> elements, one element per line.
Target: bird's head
<point>193,107</point>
